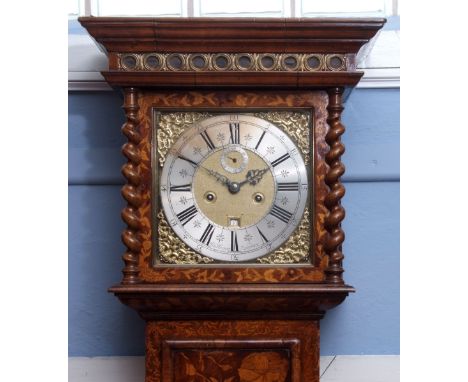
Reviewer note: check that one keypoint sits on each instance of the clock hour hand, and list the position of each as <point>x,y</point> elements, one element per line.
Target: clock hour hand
<point>253,176</point>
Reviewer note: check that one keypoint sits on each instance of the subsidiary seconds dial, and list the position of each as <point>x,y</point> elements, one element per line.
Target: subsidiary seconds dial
<point>234,187</point>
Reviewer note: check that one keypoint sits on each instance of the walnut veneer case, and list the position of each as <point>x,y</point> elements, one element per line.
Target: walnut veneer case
<point>233,237</point>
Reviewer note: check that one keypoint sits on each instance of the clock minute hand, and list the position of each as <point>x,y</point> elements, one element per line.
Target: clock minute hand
<point>220,178</point>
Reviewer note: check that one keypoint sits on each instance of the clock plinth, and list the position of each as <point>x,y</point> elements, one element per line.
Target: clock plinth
<point>233,188</point>
<point>229,331</point>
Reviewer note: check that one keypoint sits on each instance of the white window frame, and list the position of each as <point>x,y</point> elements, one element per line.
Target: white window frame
<point>379,59</point>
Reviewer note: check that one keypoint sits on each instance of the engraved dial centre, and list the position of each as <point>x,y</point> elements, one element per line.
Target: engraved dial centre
<point>234,200</point>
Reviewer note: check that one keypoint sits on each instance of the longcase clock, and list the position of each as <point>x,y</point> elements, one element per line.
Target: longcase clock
<point>234,238</point>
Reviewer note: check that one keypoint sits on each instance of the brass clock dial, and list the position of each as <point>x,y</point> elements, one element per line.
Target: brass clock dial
<point>234,187</point>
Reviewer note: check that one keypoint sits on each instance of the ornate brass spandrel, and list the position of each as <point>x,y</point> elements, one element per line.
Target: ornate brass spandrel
<point>170,128</point>
<point>295,124</point>
<point>296,249</point>
<point>172,250</point>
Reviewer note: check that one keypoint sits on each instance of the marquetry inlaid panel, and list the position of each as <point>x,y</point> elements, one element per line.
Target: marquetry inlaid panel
<point>234,351</point>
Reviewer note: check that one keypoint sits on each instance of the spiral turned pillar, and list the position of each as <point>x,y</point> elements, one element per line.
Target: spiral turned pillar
<point>335,236</point>
<point>130,191</point>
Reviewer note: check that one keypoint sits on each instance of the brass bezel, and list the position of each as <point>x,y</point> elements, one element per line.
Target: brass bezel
<point>298,59</point>
<point>160,57</point>
<point>270,55</point>
<point>137,58</point>
<point>192,66</point>
<point>183,65</point>
<point>242,68</point>
<point>224,55</point>
<point>318,57</point>
<point>328,59</point>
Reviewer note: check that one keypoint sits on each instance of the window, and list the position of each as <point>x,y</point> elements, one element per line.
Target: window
<point>136,8</point>
<point>257,8</point>
<point>342,8</point>
<point>379,59</point>
<point>239,8</point>
<point>74,9</point>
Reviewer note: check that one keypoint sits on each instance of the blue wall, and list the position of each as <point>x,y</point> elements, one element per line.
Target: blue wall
<point>366,323</point>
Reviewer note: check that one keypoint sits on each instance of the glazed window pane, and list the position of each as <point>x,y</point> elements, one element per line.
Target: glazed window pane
<point>266,8</point>
<point>359,8</point>
<point>136,8</point>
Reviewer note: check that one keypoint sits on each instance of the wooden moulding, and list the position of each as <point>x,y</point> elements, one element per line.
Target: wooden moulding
<point>277,80</point>
<point>317,35</point>
<point>212,301</point>
<point>231,35</point>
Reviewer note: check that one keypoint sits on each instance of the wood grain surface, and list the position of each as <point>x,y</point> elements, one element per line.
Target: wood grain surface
<point>147,34</point>
<point>131,190</point>
<point>225,301</point>
<point>237,351</point>
<point>336,169</point>
<point>231,35</point>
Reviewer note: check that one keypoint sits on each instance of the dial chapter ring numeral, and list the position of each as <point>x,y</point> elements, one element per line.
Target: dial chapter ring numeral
<point>234,131</point>
<point>207,140</point>
<point>281,214</point>
<point>181,188</point>
<point>260,140</point>
<point>186,215</point>
<point>287,186</point>
<point>281,159</point>
<point>234,242</point>
<point>262,236</point>
<point>207,234</point>
<point>188,160</point>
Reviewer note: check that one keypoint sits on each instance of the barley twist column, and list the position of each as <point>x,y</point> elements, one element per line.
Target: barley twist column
<point>336,192</point>
<point>130,191</point>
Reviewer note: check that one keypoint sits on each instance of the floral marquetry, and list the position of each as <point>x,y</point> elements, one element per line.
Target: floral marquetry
<point>229,366</point>
<point>239,351</point>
